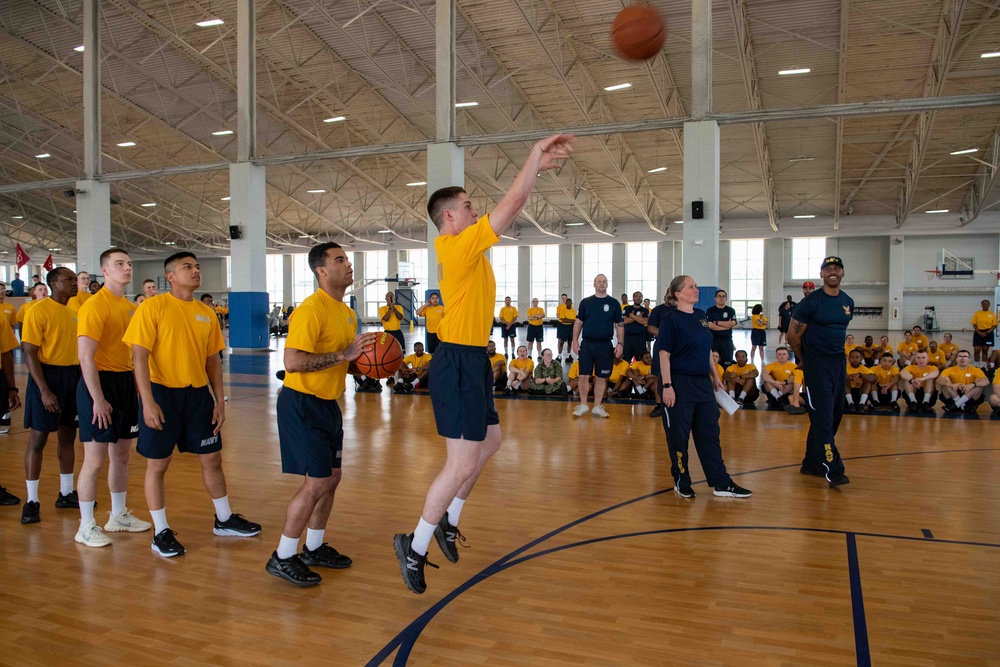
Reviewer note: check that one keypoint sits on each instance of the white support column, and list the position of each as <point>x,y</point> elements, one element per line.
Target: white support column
<point>93,224</point>
<point>724,265</point>
<point>444,94</point>
<point>360,266</point>
<point>246,80</point>
<point>247,211</point>
<point>578,276</point>
<point>701,60</point>
<point>897,272</point>
<point>774,277</point>
<point>701,182</point>
<point>566,270</point>
<point>524,295</point>
<point>665,270</point>
<point>616,281</point>
<point>93,203</point>
<point>445,168</point>
<point>287,280</point>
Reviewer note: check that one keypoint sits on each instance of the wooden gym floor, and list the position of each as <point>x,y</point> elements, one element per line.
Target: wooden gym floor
<point>579,553</point>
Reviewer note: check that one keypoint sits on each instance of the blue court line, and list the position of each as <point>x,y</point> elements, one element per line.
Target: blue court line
<point>407,638</point>
<point>927,533</point>
<point>247,384</point>
<point>861,647</point>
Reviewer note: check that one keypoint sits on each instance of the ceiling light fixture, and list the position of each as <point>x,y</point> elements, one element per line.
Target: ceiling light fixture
<point>416,183</point>
<point>462,105</point>
<point>305,236</point>
<point>54,249</point>
<point>801,158</point>
<point>226,198</point>
<point>169,243</point>
<point>937,210</point>
<point>965,151</point>
<point>385,231</point>
<point>335,119</point>
<point>79,49</point>
<point>678,222</point>
<point>148,205</point>
<point>991,54</point>
<point>19,217</point>
<point>803,217</point>
<point>209,23</point>
<point>42,156</point>
<point>786,72</point>
<point>221,133</point>
<point>315,192</point>
<point>619,86</point>
<point>126,144</point>
<point>657,170</point>
<point>574,224</point>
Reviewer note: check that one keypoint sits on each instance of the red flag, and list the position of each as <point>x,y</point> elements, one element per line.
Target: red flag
<point>48,265</point>
<point>22,257</point>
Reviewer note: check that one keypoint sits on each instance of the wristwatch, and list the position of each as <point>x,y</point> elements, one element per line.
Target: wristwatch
<point>667,385</point>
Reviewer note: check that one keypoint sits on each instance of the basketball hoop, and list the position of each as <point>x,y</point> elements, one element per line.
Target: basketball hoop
<point>931,274</point>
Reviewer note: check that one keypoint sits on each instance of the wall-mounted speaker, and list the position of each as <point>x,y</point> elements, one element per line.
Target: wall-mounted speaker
<point>698,210</point>
<point>235,232</point>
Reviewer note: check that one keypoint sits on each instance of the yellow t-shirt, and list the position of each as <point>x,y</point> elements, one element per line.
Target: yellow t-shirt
<point>9,312</point>
<point>76,301</point>
<point>888,348</point>
<point>735,368</point>
<point>948,349</point>
<point>758,321</point>
<point>105,318</point>
<point>417,363</point>
<point>391,324</point>
<point>966,375</point>
<point>467,285</point>
<point>861,369</point>
<point>498,357</point>
<point>644,369</point>
<point>7,339</point>
<point>569,313</point>
<point>574,370</point>
<point>799,377</point>
<point>25,307</point>
<point>432,318</point>
<point>922,342</point>
<point>525,364</point>
<point>719,370</point>
<point>885,376</point>
<point>848,347</point>
<point>536,316</point>
<point>180,336</point>
<point>617,370</point>
<point>559,311</point>
<point>321,325</point>
<point>938,357</point>
<point>917,372</point>
<point>52,327</point>
<point>983,319</point>
<point>508,314</point>
<point>906,348</point>
<point>780,372</point>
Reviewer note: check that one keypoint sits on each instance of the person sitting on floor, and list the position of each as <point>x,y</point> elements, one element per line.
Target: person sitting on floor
<point>573,377</point>
<point>849,344</point>
<point>995,396</point>
<point>619,384</point>
<point>885,390</point>
<point>870,352</point>
<point>950,349</point>
<point>741,380</point>
<point>917,380</point>
<point>413,372</point>
<point>640,373</point>
<point>906,350</point>
<point>498,362</point>
<point>936,356</point>
<point>920,339</point>
<point>520,371</point>
<point>795,406</point>
<point>777,378</point>
<point>548,377</point>
<point>859,384</point>
<point>962,385</point>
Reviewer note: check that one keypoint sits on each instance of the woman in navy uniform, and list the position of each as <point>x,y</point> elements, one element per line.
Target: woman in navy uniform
<point>689,381</point>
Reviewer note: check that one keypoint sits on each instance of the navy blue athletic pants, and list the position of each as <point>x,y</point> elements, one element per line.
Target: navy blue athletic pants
<point>825,380</point>
<point>696,413</point>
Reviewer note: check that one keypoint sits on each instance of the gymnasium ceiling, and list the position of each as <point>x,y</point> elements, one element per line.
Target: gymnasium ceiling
<point>169,84</point>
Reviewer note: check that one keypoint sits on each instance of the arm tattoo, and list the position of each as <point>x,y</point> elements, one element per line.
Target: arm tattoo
<point>798,326</point>
<point>318,362</point>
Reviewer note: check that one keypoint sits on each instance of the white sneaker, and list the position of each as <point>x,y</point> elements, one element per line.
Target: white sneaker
<point>581,410</point>
<point>90,535</point>
<point>4,430</point>
<point>126,522</point>
<point>599,411</point>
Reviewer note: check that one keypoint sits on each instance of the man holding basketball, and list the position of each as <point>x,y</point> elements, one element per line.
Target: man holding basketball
<point>462,393</point>
<point>321,343</point>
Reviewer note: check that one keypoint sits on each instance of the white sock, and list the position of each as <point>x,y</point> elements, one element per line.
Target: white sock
<point>86,512</point>
<point>913,397</point>
<point>850,399</point>
<point>416,383</point>
<point>733,393</point>
<point>640,390</point>
<point>287,547</point>
<point>927,397</point>
<point>66,483</point>
<point>455,510</point>
<point>222,511</point>
<point>776,394</point>
<point>117,503</point>
<point>32,490</point>
<point>159,520</point>
<point>743,395</point>
<point>960,402</point>
<point>864,398</point>
<point>314,539</point>
<point>895,395</point>
<point>874,396</point>
<point>422,535</point>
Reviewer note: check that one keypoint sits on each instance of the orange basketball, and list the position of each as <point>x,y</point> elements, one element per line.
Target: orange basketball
<point>382,360</point>
<point>638,32</point>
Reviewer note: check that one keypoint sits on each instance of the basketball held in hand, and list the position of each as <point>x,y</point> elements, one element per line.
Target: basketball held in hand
<point>638,33</point>
<point>382,360</point>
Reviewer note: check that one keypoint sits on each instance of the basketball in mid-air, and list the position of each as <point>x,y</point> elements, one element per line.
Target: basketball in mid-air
<point>382,360</point>
<point>638,32</point>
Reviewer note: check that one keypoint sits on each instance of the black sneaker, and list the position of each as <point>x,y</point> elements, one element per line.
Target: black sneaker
<point>390,382</point>
<point>795,409</point>
<point>166,545</point>
<point>815,471</point>
<point>837,479</point>
<point>68,502</point>
<point>926,409</point>
<point>8,498</point>
<point>236,526</point>
<point>732,490</point>
<point>448,537</point>
<point>970,408</point>
<point>912,408</point>
<point>895,406</point>
<point>29,513</point>
<point>399,389</point>
<point>850,409</point>
<point>657,412</point>
<point>739,402</point>
<point>323,556</point>
<point>411,564</point>
<point>292,569</point>
<point>684,491</point>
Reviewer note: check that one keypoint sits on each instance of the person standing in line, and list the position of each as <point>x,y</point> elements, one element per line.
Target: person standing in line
<point>689,380</point>
<point>758,335</point>
<point>818,332</point>
<point>82,293</point>
<point>636,319</point>
<point>7,310</point>
<point>564,331</point>
<point>106,400</point>
<point>9,390</point>
<point>784,317</point>
<point>508,327</point>
<point>598,318</point>
<point>536,316</point>
<point>462,392</point>
<point>432,311</point>
<point>391,316</point>
<point>149,288</point>
<point>984,323</point>
<point>721,322</point>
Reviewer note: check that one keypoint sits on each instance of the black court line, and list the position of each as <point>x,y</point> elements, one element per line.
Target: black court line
<point>408,637</point>
<point>927,533</point>
<point>861,647</point>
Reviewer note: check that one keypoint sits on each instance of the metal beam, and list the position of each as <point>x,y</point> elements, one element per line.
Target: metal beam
<point>444,94</point>
<point>744,44</point>
<point>986,177</point>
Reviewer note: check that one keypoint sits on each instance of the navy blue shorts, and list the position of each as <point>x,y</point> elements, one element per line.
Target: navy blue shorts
<point>535,332</point>
<point>758,337</point>
<point>187,423</point>
<point>62,381</point>
<point>119,390</point>
<point>311,433</point>
<point>462,394</point>
<point>508,333</point>
<point>564,331</point>
<point>982,341</point>
<point>597,357</point>
<point>398,335</point>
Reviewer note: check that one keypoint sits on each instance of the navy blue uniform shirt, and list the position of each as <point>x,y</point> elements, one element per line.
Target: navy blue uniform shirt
<point>599,317</point>
<point>827,318</point>
<point>687,338</point>
<point>724,314</point>
<point>655,317</point>
<point>634,328</point>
